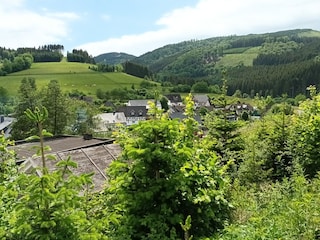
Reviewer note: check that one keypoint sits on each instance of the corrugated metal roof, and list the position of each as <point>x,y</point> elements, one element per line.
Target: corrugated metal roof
<point>91,156</point>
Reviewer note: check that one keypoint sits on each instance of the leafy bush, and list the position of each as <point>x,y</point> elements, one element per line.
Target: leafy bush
<point>165,174</point>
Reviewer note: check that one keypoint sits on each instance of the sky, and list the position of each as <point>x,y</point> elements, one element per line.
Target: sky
<point>139,26</point>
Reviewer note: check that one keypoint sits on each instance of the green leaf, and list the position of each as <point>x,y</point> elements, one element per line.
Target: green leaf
<point>32,138</point>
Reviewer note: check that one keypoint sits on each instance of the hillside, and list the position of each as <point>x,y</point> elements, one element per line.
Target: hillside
<point>71,76</point>
<point>113,58</point>
<point>270,63</point>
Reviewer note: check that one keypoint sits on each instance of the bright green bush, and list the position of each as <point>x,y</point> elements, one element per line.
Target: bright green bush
<point>165,174</point>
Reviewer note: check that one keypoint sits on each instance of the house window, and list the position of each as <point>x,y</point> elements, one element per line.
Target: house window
<point>132,112</point>
<point>140,113</point>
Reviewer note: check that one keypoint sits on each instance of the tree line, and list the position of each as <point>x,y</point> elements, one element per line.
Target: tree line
<point>79,55</point>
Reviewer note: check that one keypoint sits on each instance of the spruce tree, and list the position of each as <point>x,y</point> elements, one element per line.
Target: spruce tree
<point>28,98</point>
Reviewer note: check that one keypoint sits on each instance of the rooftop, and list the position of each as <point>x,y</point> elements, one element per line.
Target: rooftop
<point>91,156</point>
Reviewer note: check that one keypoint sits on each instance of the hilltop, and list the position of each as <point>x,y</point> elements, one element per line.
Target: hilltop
<point>270,63</point>
<point>113,58</point>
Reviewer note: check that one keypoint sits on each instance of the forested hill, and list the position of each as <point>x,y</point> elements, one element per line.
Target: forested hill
<point>113,58</point>
<point>268,64</point>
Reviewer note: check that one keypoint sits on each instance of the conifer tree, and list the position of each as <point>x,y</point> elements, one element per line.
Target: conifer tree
<point>28,98</point>
<point>226,140</point>
<point>56,103</point>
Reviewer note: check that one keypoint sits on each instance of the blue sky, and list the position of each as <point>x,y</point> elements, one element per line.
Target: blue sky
<point>139,26</point>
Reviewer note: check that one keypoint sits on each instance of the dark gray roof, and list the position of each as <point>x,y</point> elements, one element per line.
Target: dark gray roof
<point>25,149</point>
<point>174,97</point>
<point>91,156</point>
<point>181,115</point>
<point>134,111</point>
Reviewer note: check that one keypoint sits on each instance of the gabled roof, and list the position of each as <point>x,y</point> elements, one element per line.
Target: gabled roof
<point>134,111</point>
<point>239,107</point>
<point>142,103</point>
<point>181,116</point>
<point>139,102</point>
<point>115,117</point>
<point>201,98</point>
<point>174,98</point>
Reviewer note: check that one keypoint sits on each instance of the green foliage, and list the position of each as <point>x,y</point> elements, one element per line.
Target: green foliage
<point>267,154</point>
<point>4,96</point>
<point>165,174</point>
<point>186,227</point>
<point>19,63</point>
<point>275,211</point>
<point>58,108</point>
<point>8,186</point>
<point>28,98</point>
<point>306,133</point>
<point>225,137</point>
<point>200,87</point>
<point>53,205</point>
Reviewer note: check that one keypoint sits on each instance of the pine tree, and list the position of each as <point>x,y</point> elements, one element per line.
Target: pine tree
<point>224,134</point>
<point>56,104</point>
<point>28,98</point>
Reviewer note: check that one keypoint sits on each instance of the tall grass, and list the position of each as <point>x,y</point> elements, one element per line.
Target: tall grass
<point>287,210</point>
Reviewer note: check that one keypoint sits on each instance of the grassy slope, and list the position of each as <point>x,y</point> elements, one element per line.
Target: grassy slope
<point>71,76</point>
<point>238,56</point>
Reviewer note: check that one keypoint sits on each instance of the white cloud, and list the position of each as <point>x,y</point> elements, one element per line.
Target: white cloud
<point>211,18</point>
<point>20,27</point>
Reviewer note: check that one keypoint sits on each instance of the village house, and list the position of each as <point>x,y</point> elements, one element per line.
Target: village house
<point>174,99</point>
<point>143,103</point>
<point>134,114</point>
<point>201,100</point>
<point>107,121</point>
<point>239,109</point>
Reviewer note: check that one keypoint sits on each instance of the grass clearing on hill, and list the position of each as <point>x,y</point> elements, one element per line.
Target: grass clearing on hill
<point>237,58</point>
<point>71,76</point>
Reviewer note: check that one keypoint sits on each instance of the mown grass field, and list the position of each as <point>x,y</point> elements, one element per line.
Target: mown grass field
<point>71,76</point>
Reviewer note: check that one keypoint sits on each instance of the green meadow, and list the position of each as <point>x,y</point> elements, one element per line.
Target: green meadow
<point>71,76</point>
<point>239,56</point>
